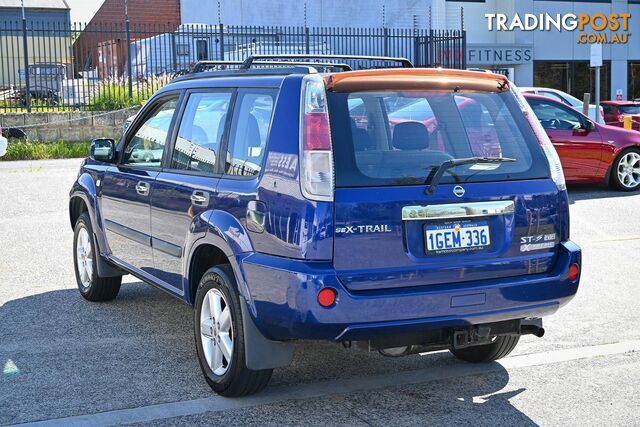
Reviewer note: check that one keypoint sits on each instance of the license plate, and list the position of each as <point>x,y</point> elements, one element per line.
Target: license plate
<point>457,237</point>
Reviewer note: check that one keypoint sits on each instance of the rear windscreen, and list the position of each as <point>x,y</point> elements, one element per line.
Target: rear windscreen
<point>401,137</point>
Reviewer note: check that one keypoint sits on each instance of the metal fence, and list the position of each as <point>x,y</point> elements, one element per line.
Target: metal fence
<point>110,66</point>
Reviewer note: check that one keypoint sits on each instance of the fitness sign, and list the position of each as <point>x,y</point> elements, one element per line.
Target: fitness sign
<point>599,28</point>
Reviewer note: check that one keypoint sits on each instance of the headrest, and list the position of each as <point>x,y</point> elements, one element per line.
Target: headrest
<point>410,136</point>
<point>252,133</point>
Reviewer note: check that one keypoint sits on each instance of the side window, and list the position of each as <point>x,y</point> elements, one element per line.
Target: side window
<point>200,134</point>
<point>555,117</point>
<point>249,131</point>
<point>146,146</point>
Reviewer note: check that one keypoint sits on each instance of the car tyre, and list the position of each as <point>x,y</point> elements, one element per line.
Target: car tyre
<point>220,338</point>
<point>625,172</point>
<point>499,348</point>
<point>92,287</point>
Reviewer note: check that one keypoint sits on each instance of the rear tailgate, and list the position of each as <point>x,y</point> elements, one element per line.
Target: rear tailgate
<point>391,131</point>
<point>376,249</point>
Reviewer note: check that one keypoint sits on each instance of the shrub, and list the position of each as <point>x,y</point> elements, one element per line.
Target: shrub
<point>39,150</point>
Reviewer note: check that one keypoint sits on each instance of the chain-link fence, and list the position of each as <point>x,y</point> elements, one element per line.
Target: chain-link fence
<point>49,67</point>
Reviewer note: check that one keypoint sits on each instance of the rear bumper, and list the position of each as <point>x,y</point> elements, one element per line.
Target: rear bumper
<point>283,300</point>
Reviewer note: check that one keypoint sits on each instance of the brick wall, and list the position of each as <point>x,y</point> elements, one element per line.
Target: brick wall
<point>147,18</point>
<point>70,127</point>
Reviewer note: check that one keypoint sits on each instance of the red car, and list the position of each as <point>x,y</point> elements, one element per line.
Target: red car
<point>615,111</point>
<point>589,152</point>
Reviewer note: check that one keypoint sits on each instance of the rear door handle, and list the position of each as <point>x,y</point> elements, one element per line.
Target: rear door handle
<point>142,188</point>
<point>200,198</point>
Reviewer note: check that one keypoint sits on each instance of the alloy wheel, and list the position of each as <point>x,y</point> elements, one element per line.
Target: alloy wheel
<point>629,170</point>
<point>84,257</point>
<point>216,332</point>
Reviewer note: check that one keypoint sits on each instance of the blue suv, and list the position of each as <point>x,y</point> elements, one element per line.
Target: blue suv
<point>397,209</point>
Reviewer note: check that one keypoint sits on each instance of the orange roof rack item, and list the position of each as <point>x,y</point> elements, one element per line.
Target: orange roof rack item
<point>416,78</point>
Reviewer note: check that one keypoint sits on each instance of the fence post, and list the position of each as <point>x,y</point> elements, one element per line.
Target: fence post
<point>129,70</point>
<point>25,47</point>
<point>221,27</point>
<point>464,49</point>
<point>432,49</point>
<point>307,49</point>
<point>386,41</point>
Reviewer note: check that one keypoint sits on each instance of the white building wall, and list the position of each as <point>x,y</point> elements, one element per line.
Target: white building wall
<point>327,13</point>
<point>545,45</point>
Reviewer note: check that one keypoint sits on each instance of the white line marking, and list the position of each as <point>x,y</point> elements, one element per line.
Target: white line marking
<point>308,391</point>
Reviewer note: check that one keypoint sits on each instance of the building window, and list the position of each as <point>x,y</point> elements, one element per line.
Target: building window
<point>573,77</point>
<point>633,77</point>
<point>182,49</point>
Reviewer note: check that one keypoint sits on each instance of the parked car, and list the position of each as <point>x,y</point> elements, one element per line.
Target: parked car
<point>567,99</point>
<point>615,112</point>
<point>589,151</point>
<point>279,218</point>
<point>46,82</point>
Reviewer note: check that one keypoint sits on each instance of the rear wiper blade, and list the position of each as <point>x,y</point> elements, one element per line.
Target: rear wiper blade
<point>448,164</point>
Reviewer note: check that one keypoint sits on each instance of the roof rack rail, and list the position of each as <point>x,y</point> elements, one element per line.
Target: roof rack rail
<point>201,66</point>
<point>404,62</point>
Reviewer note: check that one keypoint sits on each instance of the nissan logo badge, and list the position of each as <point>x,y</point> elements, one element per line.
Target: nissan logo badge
<point>458,191</point>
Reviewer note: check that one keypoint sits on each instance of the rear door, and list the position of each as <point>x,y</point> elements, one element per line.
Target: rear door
<point>482,222</point>
<point>579,146</point>
<point>187,187</point>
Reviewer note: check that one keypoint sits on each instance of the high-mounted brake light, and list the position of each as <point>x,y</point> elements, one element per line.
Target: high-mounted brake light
<point>316,157</point>
<point>555,167</point>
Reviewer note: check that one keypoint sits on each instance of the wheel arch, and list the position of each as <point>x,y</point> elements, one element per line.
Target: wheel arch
<point>224,241</point>
<point>83,199</point>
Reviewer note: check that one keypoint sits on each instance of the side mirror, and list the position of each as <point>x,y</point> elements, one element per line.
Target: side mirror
<point>589,126</point>
<point>103,150</point>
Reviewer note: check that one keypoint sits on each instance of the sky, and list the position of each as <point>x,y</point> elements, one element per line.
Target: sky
<point>83,10</point>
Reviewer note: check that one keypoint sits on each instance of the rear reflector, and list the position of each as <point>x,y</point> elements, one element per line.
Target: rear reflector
<point>327,297</point>
<point>574,272</point>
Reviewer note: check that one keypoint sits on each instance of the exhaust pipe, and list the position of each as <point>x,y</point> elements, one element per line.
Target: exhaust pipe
<point>538,331</point>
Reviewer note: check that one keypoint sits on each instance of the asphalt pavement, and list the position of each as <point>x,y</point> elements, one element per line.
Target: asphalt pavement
<point>69,362</point>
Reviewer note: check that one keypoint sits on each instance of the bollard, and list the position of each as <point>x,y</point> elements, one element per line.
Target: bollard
<point>628,122</point>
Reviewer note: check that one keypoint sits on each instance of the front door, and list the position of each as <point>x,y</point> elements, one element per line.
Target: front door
<point>202,49</point>
<point>186,189</point>
<point>127,186</point>
<point>574,136</point>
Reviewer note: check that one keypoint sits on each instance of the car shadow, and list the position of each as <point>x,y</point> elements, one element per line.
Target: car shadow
<point>63,356</point>
<point>578,192</point>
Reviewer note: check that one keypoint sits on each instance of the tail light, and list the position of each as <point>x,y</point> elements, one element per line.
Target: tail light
<point>555,167</point>
<point>316,157</point>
